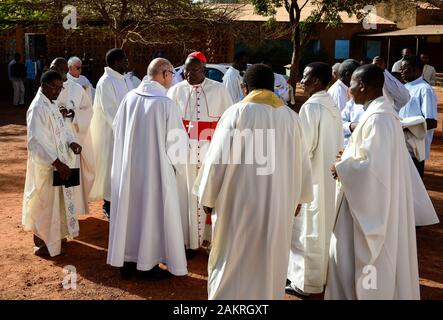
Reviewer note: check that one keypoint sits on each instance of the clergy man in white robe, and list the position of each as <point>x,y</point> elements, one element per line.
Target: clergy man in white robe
<point>150,150</point>
<point>233,77</point>
<point>253,199</point>
<point>312,228</point>
<point>74,99</point>
<point>339,90</point>
<point>49,211</point>
<point>202,102</point>
<point>111,89</point>
<point>373,252</point>
<point>75,66</point>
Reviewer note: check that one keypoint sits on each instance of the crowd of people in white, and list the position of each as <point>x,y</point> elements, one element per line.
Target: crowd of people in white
<point>343,196</point>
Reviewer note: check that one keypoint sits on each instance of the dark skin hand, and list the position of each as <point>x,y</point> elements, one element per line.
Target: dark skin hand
<point>76,148</point>
<point>67,113</point>
<point>64,170</point>
<point>333,169</point>
<point>352,126</point>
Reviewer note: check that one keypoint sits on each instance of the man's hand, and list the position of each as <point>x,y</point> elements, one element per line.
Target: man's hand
<point>67,113</point>
<point>379,61</point>
<point>333,169</point>
<point>352,127</point>
<point>65,172</point>
<point>75,147</point>
<point>297,210</point>
<point>207,210</point>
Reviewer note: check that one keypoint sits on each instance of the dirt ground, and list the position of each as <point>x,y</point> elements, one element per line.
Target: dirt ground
<point>26,276</point>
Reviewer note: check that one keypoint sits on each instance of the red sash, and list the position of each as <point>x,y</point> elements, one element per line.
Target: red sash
<point>197,127</point>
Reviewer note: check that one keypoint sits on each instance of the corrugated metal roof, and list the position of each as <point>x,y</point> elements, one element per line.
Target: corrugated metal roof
<point>426,30</point>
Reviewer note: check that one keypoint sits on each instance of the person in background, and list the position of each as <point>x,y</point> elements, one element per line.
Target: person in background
<point>428,70</point>
<point>18,77</point>
<point>396,68</point>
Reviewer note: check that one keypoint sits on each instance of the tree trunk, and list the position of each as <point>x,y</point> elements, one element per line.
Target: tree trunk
<point>296,55</point>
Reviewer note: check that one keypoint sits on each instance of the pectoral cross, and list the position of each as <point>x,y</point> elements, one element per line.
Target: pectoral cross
<point>189,126</point>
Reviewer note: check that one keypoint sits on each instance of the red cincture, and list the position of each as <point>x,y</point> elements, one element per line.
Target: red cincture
<point>196,128</point>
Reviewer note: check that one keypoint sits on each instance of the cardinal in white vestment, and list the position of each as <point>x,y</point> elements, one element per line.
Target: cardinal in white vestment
<point>255,173</point>
<point>150,151</point>
<point>373,251</point>
<point>49,211</point>
<point>322,129</point>
<point>202,102</point>
<point>111,89</point>
<point>74,99</point>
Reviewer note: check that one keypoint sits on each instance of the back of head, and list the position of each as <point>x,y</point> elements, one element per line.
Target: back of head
<point>58,62</point>
<point>371,75</point>
<point>239,56</point>
<point>114,55</point>
<point>414,62</point>
<point>321,71</point>
<point>158,66</point>
<point>17,56</point>
<point>348,67</point>
<point>259,76</point>
<point>49,76</point>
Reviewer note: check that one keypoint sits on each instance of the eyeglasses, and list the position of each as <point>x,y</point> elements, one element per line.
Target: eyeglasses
<point>54,88</point>
<point>78,68</point>
<point>171,72</point>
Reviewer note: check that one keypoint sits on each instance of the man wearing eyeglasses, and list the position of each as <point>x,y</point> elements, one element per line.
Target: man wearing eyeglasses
<point>202,102</point>
<point>75,74</point>
<point>49,211</point>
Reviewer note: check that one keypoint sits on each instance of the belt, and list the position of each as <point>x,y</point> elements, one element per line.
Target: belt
<point>196,128</point>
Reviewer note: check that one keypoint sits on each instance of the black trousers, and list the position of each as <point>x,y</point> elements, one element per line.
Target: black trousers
<point>420,165</point>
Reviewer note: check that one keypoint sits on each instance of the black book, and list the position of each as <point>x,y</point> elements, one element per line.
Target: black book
<point>74,179</point>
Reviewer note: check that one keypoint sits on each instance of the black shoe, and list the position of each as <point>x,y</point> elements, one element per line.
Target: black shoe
<point>156,273</point>
<point>128,270</point>
<point>191,253</point>
<point>107,209</point>
<point>295,291</point>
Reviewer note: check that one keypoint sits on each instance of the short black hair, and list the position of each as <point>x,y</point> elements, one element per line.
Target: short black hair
<point>259,76</point>
<point>321,71</point>
<point>371,75</point>
<point>113,55</point>
<point>414,61</point>
<point>349,65</point>
<point>366,60</point>
<point>240,55</point>
<point>49,76</point>
<point>17,55</point>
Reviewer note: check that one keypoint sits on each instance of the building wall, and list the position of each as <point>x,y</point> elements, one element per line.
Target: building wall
<point>91,46</point>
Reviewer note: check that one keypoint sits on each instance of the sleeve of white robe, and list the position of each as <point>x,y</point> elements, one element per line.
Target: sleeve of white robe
<point>346,118</point>
<point>41,143</point>
<point>108,101</point>
<point>396,91</point>
<point>365,181</point>
<point>84,113</point>
<point>307,192</point>
<point>310,120</point>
